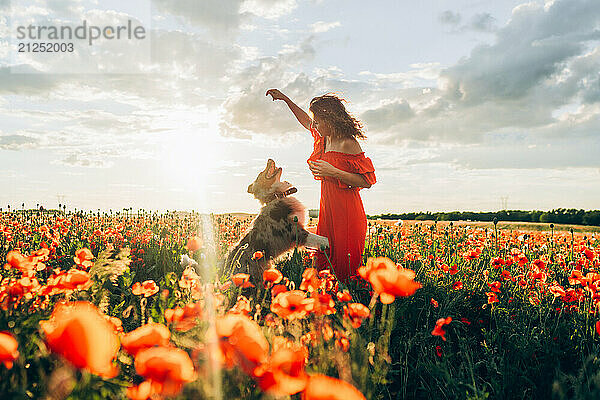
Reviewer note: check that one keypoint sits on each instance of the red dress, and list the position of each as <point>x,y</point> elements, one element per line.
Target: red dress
<point>342,217</point>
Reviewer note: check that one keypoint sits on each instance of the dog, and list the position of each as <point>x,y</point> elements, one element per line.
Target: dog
<point>277,228</point>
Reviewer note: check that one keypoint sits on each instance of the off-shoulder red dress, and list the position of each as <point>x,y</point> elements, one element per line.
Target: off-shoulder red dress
<point>342,217</point>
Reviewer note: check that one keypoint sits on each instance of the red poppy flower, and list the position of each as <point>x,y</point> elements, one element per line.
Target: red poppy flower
<point>81,334</point>
<point>283,374</point>
<point>145,336</point>
<point>257,255</point>
<point>557,290</point>
<point>342,342</point>
<point>8,349</point>
<point>434,303</point>
<point>344,296</point>
<point>495,286</point>
<point>310,280</point>
<point>74,279</point>
<point>322,387</point>
<point>588,254</point>
<point>324,304</point>
<point>457,285</point>
<point>241,342</point>
<point>167,368</point>
<point>506,275</point>
<point>147,288</point>
<point>472,254</point>
<point>497,262</point>
<point>438,330</point>
<point>388,280</point>
<point>272,276</point>
<point>242,280</point>
<point>184,319</point>
<point>194,243</point>
<point>292,305</point>
<point>27,265</point>
<point>83,257</point>
<point>356,313</point>
<point>492,297</point>
<point>242,306</point>
<point>275,290</point>
<point>140,392</point>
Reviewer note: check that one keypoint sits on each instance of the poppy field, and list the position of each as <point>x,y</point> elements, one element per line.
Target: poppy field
<point>135,305</point>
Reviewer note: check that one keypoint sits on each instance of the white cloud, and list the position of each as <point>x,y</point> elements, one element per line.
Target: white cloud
<point>247,111</point>
<point>86,160</point>
<point>17,142</point>
<point>386,116</point>
<point>322,26</point>
<point>539,62</point>
<point>270,9</point>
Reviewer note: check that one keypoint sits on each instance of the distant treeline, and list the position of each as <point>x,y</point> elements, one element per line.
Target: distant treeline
<point>558,216</point>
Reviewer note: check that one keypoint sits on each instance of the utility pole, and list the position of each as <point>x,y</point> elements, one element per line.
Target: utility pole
<point>61,199</point>
<point>504,200</point>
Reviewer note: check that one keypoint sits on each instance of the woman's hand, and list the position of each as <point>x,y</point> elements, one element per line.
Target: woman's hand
<point>300,115</point>
<point>276,94</point>
<point>321,168</point>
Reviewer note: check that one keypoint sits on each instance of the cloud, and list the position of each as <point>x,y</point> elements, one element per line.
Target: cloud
<point>220,17</point>
<point>101,155</point>
<point>23,80</point>
<point>450,18</point>
<point>387,116</point>
<point>65,7</point>
<point>86,160</point>
<point>248,112</point>
<point>518,154</point>
<point>418,75</point>
<point>83,160</point>
<point>540,62</point>
<point>17,142</point>
<point>483,22</point>
<point>322,26</point>
<point>270,9</point>
<point>223,18</point>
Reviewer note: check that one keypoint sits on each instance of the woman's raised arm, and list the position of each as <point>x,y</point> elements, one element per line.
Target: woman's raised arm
<point>301,116</point>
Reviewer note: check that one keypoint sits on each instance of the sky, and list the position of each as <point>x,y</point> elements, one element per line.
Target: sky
<point>464,103</point>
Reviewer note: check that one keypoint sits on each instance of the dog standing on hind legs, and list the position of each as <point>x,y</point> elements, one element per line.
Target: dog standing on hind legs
<point>278,227</point>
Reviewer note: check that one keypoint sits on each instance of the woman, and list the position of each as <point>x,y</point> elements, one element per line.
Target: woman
<point>339,162</point>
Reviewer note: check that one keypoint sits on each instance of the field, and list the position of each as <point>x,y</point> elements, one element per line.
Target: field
<point>134,306</point>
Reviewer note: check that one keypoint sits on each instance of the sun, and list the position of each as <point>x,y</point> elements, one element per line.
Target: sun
<point>189,162</point>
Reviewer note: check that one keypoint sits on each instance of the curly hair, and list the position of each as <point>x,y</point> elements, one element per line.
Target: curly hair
<point>329,107</point>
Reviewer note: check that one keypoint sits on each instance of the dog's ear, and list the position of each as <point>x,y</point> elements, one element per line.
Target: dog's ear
<point>251,188</point>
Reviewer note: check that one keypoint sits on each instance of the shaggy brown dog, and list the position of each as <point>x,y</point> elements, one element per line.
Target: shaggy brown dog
<point>278,227</point>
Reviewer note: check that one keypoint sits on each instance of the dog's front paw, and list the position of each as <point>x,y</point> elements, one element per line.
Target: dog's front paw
<point>316,241</point>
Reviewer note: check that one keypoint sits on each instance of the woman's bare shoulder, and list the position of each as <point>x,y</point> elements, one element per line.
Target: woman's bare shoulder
<point>351,146</point>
